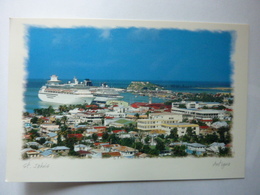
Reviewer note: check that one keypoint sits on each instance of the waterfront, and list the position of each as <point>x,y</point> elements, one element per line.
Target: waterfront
<point>33,85</point>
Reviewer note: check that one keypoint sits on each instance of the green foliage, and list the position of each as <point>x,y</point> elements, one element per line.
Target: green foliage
<point>224,135</point>
<point>189,131</point>
<point>179,151</point>
<point>138,145</point>
<point>94,137</point>
<point>160,144</point>
<point>44,111</point>
<point>205,97</point>
<point>147,139</point>
<point>34,120</point>
<point>114,139</point>
<point>154,152</point>
<point>105,136</point>
<point>127,142</point>
<point>106,155</point>
<point>137,116</point>
<point>174,134</point>
<point>182,106</point>
<point>42,141</point>
<point>224,152</point>
<point>34,147</point>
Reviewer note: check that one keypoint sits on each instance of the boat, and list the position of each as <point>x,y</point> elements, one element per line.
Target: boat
<point>71,93</point>
<point>76,92</point>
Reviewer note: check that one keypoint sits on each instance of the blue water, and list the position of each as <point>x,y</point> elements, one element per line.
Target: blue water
<point>33,85</point>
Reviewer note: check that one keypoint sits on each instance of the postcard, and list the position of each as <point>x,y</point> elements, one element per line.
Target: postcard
<point>93,100</point>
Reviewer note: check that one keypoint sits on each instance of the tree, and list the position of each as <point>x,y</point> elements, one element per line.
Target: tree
<point>189,131</point>
<point>114,139</point>
<point>182,106</point>
<point>147,140</point>
<point>154,152</point>
<point>127,142</point>
<point>137,116</point>
<point>34,120</point>
<point>224,152</point>
<point>26,114</point>
<point>40,121</point>
<point>146,149</point>
<point>179,150</point>
<point>160,145</point>
<point>59,142</point>
<point>174,134</point>
<point>105,136</point>
<point>94,137</point>
<point>64,119</point>
<point>42,141</point>
<point>138,146</point>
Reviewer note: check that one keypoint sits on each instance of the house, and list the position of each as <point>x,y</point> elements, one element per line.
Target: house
<point>99,144</point>
<point>48,128</point>
<point>30,153</point>
<point>100,128</point>
<point>29,144</point>
<point>33,153</point>
<point>109,147</point>
<point>111,155</point>
<point>81,147</point>
<point>207,121</point>
<point>53,137</point>
<point>47,153</point>
<point>96,153</point>
<point>125,151</point>
<point>62,150</point>
<point>196,148</point>
<point>214,147</point>
<point>83,153</point>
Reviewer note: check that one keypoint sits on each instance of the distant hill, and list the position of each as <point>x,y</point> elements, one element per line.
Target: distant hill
<point>141,85</point>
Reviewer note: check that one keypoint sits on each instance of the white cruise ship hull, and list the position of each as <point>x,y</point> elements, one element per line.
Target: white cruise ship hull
<point>65,98</point>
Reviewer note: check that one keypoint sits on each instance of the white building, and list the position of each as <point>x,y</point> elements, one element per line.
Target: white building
<point>195,104</point>
<point>200,114</point>
<point>155,121</point>
<point>116,114</point>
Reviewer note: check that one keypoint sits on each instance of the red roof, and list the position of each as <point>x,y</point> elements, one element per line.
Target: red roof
<point>109,117</point>
<point>209,120</point>
<point>112,154</point>
<point>100,127</point>
<point>119,131</point>
<point>101,143</point>
<point>204,127</point>
<point>227,109</point>
<point>99,134</point>
<point>79,136</point>
<point>138,104</point>
<point>84,152</point>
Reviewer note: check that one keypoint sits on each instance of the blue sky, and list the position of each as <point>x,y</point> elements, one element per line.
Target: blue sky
<point>129,54</point>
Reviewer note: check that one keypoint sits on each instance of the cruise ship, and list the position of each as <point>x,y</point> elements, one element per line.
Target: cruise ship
<point>76,92</point>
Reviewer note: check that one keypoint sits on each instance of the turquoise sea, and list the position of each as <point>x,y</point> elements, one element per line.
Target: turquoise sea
<point>33,85</point>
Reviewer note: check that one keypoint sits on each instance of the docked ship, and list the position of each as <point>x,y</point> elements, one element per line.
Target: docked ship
<point>56,92</point>
<point>76,92</point>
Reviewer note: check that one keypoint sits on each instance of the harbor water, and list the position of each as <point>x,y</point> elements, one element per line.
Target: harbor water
<point>33,85</point>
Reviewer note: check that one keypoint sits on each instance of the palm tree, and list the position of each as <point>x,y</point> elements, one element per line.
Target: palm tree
<point>64,119</point>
